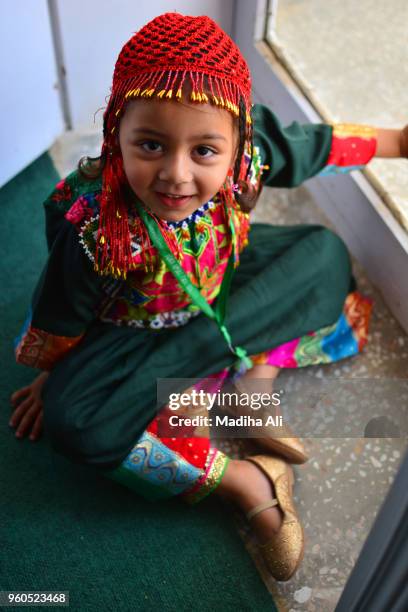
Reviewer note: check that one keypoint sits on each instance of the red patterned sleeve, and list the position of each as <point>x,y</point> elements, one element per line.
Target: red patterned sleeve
<point>352,147</point>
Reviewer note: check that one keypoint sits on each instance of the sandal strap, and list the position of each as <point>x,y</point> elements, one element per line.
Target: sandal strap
<point>261,507</point>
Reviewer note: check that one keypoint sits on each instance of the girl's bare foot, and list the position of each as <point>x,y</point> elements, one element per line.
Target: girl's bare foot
<point>27,404</point>
<point>246,485</point>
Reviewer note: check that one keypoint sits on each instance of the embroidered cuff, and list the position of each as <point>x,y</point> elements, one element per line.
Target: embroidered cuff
<point>39,349</point>
<point>353,146</point>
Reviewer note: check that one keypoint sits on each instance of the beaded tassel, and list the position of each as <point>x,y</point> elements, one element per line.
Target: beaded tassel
<point>223,93</point>
<point>113,249</point>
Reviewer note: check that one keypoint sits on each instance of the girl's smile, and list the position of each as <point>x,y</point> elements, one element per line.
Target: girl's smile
<point>174,201</point>
<point>176,156</point>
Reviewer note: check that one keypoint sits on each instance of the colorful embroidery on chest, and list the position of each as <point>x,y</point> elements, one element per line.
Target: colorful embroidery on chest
<point>156,299</point>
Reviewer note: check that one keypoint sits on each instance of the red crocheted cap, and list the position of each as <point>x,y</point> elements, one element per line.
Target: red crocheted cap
<point>172,49</point>
<point>178,42</point>
<point>171,57</point>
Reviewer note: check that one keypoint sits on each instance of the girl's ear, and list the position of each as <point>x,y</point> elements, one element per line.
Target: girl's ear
<point>248,196</point>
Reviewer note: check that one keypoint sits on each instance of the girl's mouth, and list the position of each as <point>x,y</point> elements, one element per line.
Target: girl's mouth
<point>172,200</point>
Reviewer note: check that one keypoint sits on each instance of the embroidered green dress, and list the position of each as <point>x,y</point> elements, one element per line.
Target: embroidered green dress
<point>293,303</point>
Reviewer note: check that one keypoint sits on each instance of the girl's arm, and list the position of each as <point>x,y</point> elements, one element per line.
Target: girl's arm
<point>69,291</point>
<point>300,151</point>
<point>63,305</point>
<point>292,153</point>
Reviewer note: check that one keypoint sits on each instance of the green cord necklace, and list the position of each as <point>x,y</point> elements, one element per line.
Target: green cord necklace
<point>217,314</point>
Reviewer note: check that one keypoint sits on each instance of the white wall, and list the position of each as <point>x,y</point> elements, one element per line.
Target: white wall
<point>30,110</point>
<point>93,32</point>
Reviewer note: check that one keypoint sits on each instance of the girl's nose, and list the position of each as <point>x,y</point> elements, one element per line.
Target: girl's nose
<point>176,169</point>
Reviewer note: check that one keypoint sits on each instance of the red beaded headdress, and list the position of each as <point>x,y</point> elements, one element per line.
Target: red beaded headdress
<point>172,57</point>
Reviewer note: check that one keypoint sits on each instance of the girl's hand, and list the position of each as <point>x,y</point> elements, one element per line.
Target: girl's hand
<point>404,141</point>
<point>392,143</point>
<point>28,413</point>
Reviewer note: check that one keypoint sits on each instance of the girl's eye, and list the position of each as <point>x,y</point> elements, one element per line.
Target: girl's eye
<point>151,146</point>
<point>205,151</point>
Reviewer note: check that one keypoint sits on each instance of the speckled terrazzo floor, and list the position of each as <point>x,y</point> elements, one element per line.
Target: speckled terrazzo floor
<point>351,57</point>
<point>339,491</point>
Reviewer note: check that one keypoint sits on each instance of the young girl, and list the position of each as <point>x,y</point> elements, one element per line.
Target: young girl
<point>145,238</point>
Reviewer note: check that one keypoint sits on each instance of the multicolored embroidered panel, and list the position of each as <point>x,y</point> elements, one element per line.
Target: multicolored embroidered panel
<point>344,338</point>
<point>152,460</point>
<point>160,467</point>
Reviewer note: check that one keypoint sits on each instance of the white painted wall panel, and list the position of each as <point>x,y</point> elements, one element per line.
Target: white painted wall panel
<point>29,103</point>
<point>94,31</point>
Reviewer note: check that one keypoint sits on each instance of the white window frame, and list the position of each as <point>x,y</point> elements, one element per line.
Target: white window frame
<point>359,215</point>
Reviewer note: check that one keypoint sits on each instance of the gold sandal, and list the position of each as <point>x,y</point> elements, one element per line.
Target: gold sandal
<point>277,440</point>
<point>288,446</point>
<point>283,553</point>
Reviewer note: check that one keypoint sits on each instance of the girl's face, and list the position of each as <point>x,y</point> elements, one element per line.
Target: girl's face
<point>176,156</point>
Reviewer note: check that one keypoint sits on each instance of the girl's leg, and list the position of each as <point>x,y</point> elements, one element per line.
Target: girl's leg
<point>162,467</point>
<point>258,379</point>
<point>159,467</point>
<point>246,485</point>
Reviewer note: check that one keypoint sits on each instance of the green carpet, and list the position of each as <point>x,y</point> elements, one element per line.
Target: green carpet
<point>65,528</point>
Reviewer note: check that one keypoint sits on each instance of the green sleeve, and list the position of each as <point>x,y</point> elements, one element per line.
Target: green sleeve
<point>69,290</point>
<point>293,153</point>
<point>64,303</point>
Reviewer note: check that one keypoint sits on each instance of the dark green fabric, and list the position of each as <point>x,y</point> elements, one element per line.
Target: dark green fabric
<point>293,153</point>
<point>22,229</point>
<point>101,396</point>
<point>69,291</point>
<point>64,528</point>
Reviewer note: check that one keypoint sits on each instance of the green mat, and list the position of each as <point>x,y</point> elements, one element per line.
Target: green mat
<point>65,528</point>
